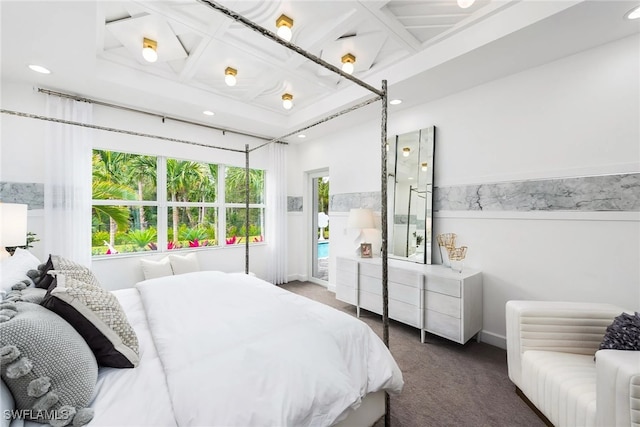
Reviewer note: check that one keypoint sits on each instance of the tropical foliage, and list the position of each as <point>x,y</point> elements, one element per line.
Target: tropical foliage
<point>130,223</point>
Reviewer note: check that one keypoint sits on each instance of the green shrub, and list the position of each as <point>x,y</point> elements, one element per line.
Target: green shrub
<point>193,234</point>
<point>142,238</point>
<point>99,237</point>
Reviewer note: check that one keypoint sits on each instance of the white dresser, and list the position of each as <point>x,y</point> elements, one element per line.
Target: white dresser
<point>432,298</point>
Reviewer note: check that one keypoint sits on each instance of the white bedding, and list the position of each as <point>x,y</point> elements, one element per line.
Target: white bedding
<point>238,351</point>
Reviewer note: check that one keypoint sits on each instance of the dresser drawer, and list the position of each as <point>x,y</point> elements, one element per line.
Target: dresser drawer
<point>443,285</point>
<point>398,275</point>
<point>347,294</point>
<point>398,310</point>
<point>346,279</point>
<point>443,325</point>
<point>398,291</point>
<point>347,265</point>
<point>371,270</point>
<point>444,304</point>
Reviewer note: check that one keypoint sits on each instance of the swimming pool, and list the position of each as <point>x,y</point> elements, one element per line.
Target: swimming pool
<point>323,249</point>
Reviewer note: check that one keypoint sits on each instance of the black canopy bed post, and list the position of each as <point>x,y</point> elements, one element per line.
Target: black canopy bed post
<point>383,225</point>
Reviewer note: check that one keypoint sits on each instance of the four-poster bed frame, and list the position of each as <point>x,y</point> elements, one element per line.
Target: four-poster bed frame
<point>380,94</point>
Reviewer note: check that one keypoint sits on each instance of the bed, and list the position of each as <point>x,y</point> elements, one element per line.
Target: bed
<point>229,349</point>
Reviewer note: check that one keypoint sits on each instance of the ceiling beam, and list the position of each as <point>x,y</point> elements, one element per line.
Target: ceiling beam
<point>314,41</point>
<point>217,26</point>
<point>389,21</point>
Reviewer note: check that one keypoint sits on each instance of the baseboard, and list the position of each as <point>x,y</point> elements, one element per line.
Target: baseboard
<point>298,277</point>
<point>495,340</point>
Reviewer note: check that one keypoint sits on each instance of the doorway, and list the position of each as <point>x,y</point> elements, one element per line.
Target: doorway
<point>320,227</point>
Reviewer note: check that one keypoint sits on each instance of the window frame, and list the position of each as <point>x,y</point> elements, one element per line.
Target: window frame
<point>163,206</point>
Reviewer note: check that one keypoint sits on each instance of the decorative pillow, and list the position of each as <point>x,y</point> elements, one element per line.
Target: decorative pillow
<point>45,279</point>
<point>97,315</point>
<point>153,269</point>
<point>48,367</point>
<point>623,333</point>
<point>184,264</point>
<point>14,269</point>
<point>32,295</point>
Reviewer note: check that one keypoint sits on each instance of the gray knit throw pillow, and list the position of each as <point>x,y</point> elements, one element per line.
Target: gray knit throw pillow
<point>623,333</point>
<point>47,365</point>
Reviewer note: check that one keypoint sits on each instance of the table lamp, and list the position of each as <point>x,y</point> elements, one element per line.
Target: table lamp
<point>360,218</point>
<point>13,227</point>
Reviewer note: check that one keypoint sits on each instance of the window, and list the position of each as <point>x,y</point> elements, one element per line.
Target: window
<point>135,208</point>
<point>191,198</point>
<point>235,208</point>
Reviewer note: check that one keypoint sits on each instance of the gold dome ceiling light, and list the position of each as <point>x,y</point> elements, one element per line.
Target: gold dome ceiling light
<point>149,50</point>
<point>230,76</point>
<point>287,101</point>
<point>284,24</point>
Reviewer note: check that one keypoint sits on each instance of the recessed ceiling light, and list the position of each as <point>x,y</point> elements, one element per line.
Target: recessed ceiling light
<point>395,101</point>
<point>39,69</point>
<point>302,135</point>
<point>208,113</point>
<point>633,13</point>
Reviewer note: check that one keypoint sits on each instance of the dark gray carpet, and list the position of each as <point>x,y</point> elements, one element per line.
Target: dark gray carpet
<point>445,384</point>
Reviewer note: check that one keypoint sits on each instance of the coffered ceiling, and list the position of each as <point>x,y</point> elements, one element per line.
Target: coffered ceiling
<point>423,48</point>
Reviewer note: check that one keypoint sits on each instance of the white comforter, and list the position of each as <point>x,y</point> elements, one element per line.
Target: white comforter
<point>238,351</point>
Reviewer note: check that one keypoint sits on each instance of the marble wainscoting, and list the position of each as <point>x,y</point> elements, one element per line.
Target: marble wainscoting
<point>29,193</point>
<point>344,202</point>
<point>619,193</point>
<point>294,203</point>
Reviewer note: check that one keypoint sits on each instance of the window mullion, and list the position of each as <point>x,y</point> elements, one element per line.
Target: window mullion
<point>222,211</point>
<point>161,177</point>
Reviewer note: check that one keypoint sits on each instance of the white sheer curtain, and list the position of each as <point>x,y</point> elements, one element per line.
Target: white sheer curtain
<point>276,221</point>
<point>67,189</point>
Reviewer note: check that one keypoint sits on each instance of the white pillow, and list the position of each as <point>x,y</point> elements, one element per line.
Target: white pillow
<point>184,264</point>
<point>153,269</point>
<point>14,269</point>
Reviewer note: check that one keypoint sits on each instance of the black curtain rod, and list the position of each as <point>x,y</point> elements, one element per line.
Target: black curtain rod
<point>149,113</point>
<point>115,130</point>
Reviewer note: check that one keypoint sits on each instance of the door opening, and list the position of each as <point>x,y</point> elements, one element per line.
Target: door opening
<point>320,228</point>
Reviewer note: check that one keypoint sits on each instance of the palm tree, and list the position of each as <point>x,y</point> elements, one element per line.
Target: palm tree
<point>181,175</point>
<point>208,191</point>
<point>143,170</point>
<point>110,182</point>
<point>235,185</point>
<point>118,215</point>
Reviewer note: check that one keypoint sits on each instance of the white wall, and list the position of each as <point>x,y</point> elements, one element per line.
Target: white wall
<point>578,116</point>
<point>22,160</point>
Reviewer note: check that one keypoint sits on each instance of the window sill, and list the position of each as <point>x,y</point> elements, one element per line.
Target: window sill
<point>174,251</point>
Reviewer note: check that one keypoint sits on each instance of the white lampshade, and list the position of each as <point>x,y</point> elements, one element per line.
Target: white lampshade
<point>360,218</point>
<point>13,225</point>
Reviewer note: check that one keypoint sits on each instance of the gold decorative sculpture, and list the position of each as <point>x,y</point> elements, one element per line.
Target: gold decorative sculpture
<point>456,257</point>
<point>446,241</point>
<point>451,256</point>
